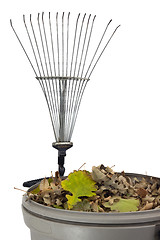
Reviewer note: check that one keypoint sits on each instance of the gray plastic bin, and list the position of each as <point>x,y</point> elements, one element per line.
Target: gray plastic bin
<point>48,223</point>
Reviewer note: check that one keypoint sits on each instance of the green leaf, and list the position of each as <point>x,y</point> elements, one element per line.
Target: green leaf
<point>36,190</point>
<point>56,206</point>
<point>80,184</point>
<point>123,205</point>
<point>50,180</point>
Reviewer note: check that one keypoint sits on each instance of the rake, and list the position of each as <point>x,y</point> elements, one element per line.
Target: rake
<point>60,50</point>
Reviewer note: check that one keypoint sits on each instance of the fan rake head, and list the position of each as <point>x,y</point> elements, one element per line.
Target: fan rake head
<point>60,60</point>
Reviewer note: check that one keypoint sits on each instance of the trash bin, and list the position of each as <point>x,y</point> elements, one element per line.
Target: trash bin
<point>46,223</point>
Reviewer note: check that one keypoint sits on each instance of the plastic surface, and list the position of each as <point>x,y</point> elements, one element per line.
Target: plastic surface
<point>47,223</point>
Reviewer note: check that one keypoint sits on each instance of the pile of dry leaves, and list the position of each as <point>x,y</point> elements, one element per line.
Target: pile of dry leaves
<point>102,190</point>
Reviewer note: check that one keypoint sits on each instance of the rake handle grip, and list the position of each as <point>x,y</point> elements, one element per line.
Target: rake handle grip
<point>61,157</point>
<point>62,147</point>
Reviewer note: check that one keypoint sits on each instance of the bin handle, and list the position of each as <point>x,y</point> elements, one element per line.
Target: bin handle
<point>32,182</point>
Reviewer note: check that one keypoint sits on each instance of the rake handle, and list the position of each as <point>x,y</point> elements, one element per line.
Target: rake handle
<point>61,158</point>
<point>62,147</point>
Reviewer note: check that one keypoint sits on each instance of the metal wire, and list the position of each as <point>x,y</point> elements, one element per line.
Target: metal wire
<point>61,63</point>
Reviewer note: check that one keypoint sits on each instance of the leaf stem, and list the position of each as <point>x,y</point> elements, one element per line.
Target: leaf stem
<point>20,189</point>
<point>81,166</point>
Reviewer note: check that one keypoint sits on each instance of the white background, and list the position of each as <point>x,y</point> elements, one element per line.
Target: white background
<point>119,119</point>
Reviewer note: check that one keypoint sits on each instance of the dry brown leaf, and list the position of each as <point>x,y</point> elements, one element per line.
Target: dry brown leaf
<point>97,175</point>
<point>94,207</point>
<point>56,189</point>
<point>157,200</point>
<point>100,209</point>
<point>94,198</point>
<point>58,202</point>
<point>142,192</point>
<point>148,199</point>
<point>142,184</point>
<point>124,181</point>
<point>44,185</point>
<point>107,199</point>
<point>47,198</point>
<point>148,206</point>
<point>154,186</point>
<point>109,170</point>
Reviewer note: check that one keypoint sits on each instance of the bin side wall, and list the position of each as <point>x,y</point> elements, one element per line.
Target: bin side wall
<point>42,229</point>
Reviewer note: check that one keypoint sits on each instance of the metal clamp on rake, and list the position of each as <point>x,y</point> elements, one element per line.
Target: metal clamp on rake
<point>60,60</point>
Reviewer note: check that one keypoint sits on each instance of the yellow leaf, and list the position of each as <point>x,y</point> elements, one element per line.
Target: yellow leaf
<point>80,184</point>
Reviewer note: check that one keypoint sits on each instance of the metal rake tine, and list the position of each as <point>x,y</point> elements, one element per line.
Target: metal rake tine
<point>52,45</point>
<point>67,43</point>
<point>75,86</point>
<point>79,39</point>
<point>37,47</point>
<point>74,42</point>
<point>88,45</point>
<point>45,37</point>
<point>82,84</point>
<point>68,85</point>
<point>63,44</point>
<point>41,83</point>
<point>31,43</point>
<point>58,43</point>
<point>51,87</point>
<point>71,86</point>
<point>71,126</point>
<point>78,105</point>
<point>54,83</point>
<point>98,47</point>
<point>103,50</point>
<point>84,42</point>
<point>42,42</point>
<point>80,61</point>
<point>47,85</point>
<point>23,48</point>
